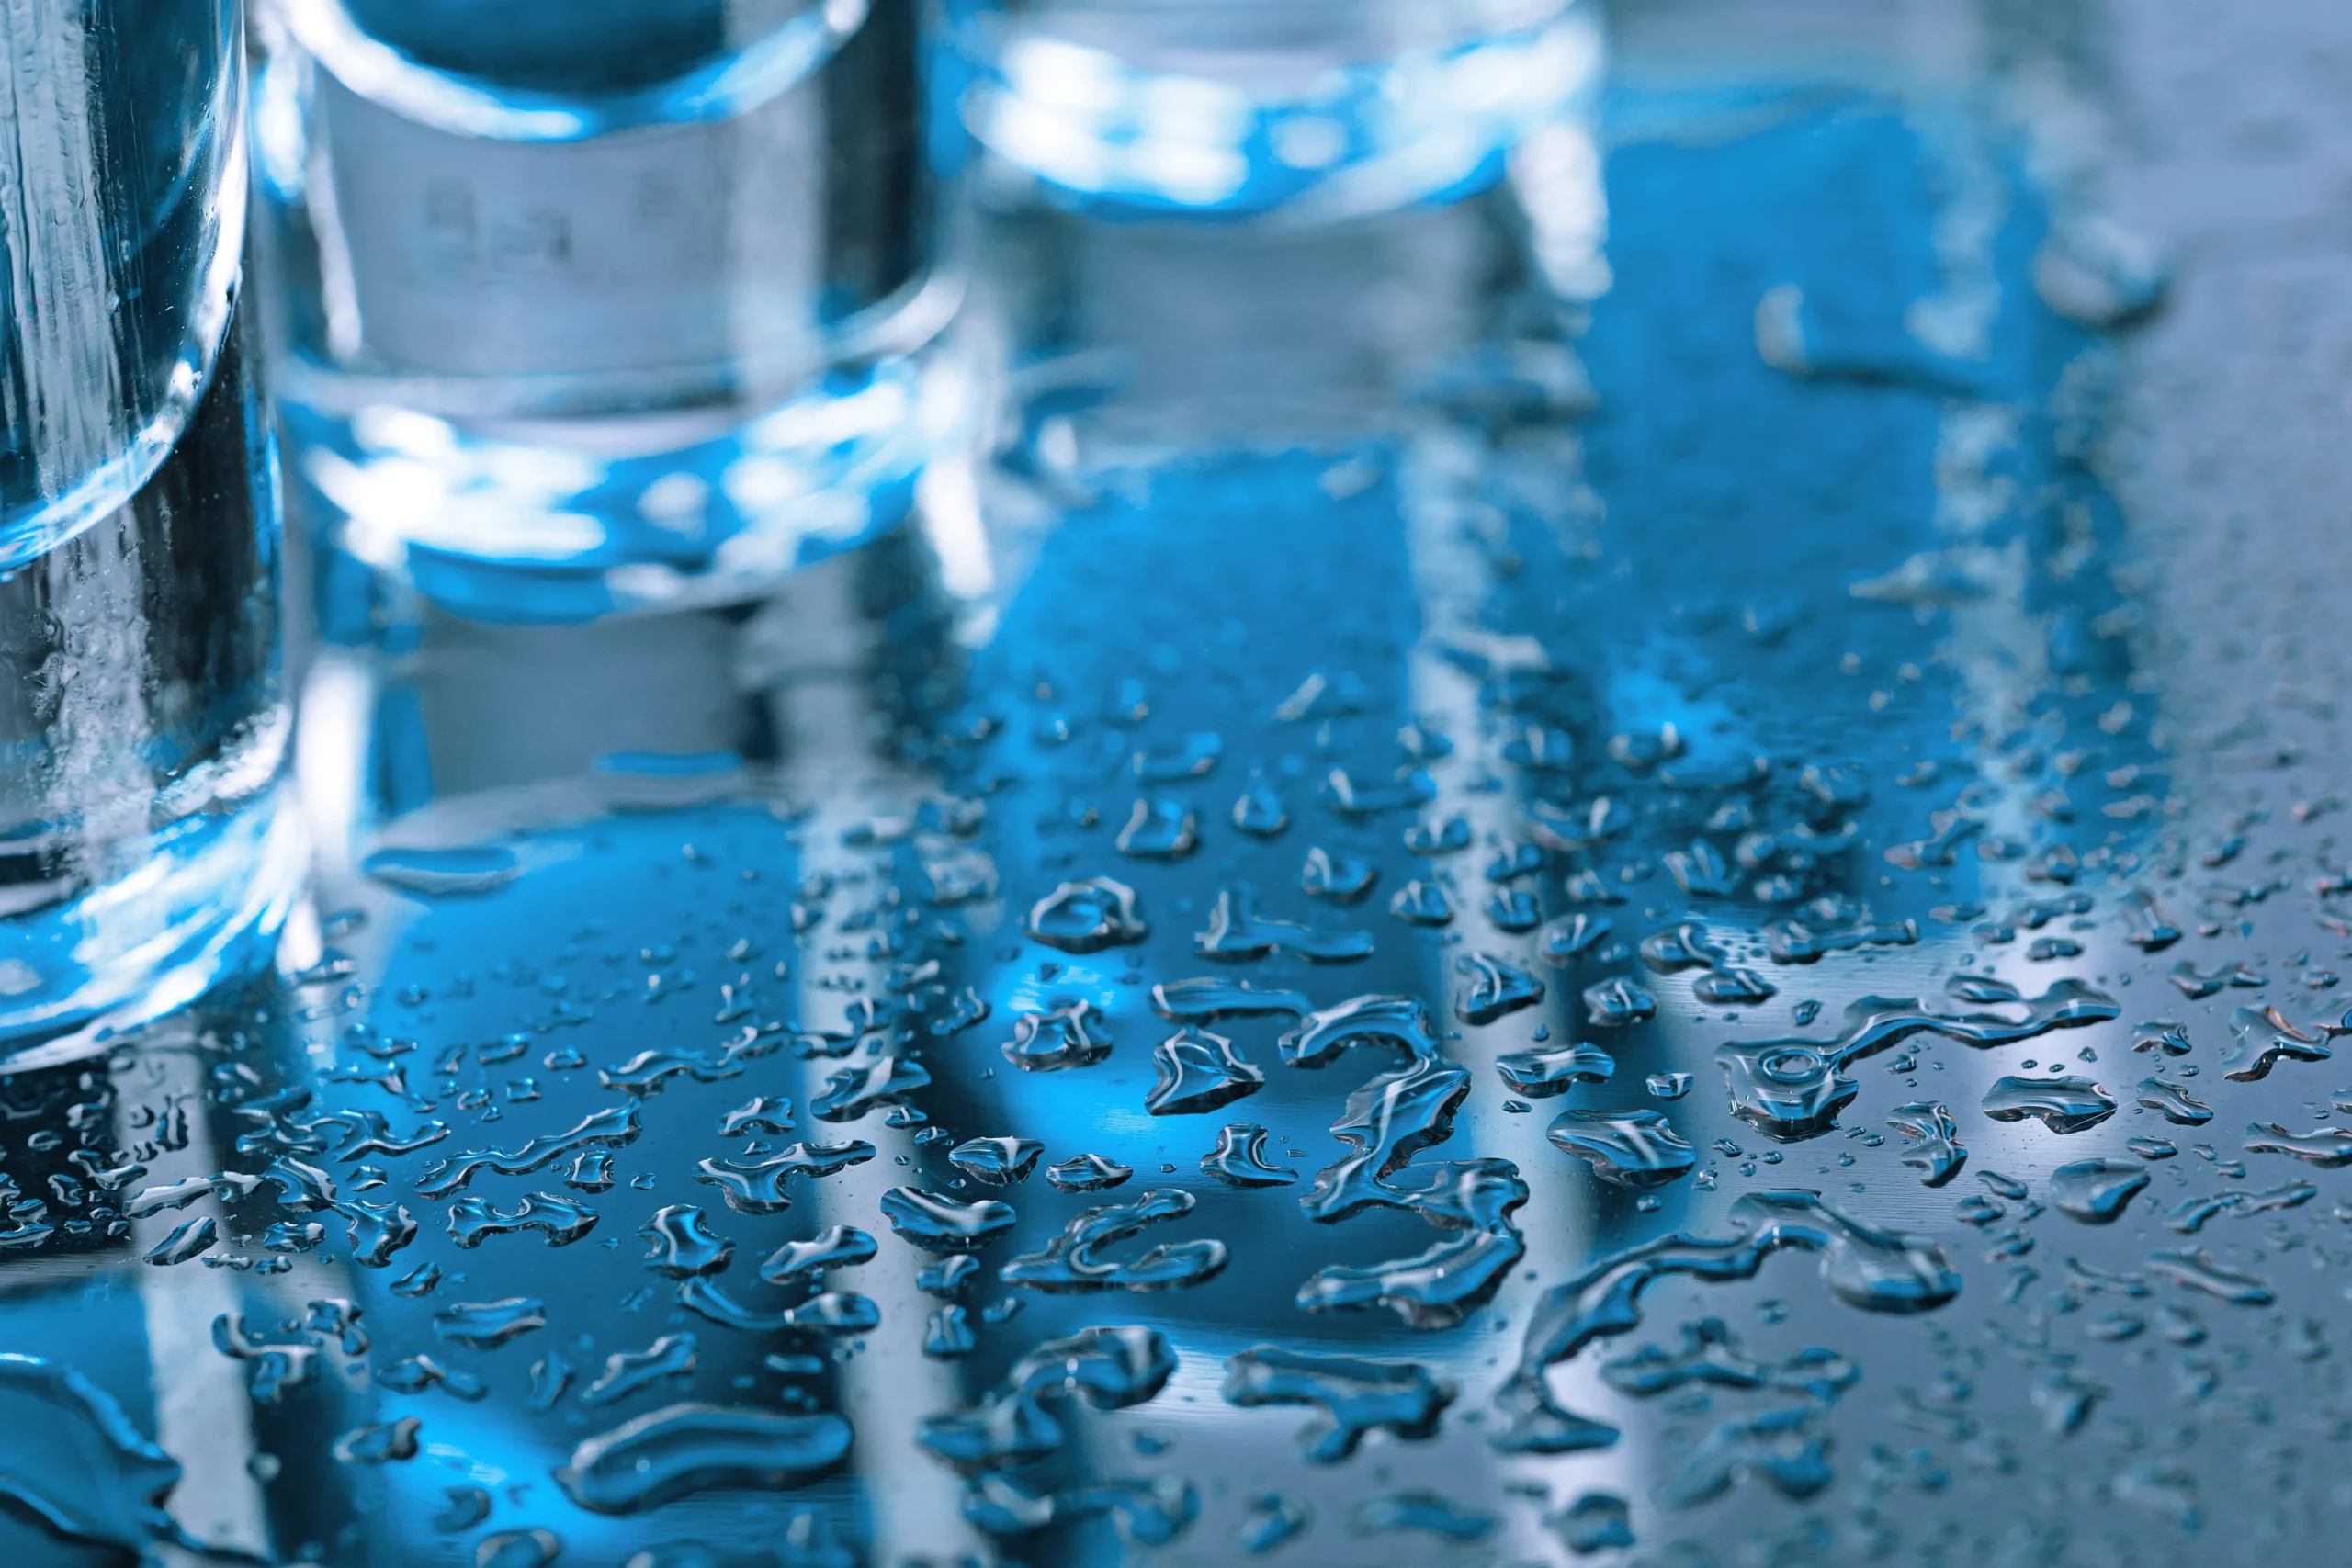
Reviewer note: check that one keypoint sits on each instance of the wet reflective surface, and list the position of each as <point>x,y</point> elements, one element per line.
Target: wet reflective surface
<point>1713,941</point>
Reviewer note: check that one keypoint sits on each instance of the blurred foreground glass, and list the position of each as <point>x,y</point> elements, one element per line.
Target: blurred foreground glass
<point>141,851</point>
<point>591,305</point>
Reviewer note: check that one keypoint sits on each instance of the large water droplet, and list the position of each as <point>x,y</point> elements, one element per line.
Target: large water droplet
<point>443,873</point>
<point>1354,1397</point>
<point>1072,1035</point>
<point>684,1448</point>
<point>1240,1158</point>
<point>1625,1148</point>
<point>1087,917</point>
<point>2097,1192</point>
<point>1074,1261</point>
<point>71,1457</point>
<point>2062,1105</point>
<point>1197,1072</point>
<point>942,1224</point>
<point>999,1162</point>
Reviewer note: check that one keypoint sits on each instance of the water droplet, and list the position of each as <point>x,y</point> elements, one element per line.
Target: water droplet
<point>942,1224</point>
<point>1354,1397</point>
<point>485,1325</point>
<point>2326,1148</point>
<point>2281,1048</point>
<point>562,1221</point>
<point>1596,1521</point>
<point>853,1093</point>
<point>190,1239</point>
<point>2194,1268</point>
<point>999,1162</point>
<point>1087,917</point>
<point>1625,1148</point>
<point>757,1187</point>
<point>1936,1154</point>
<point>1160,830</point>
<point>1709,1355</point>
<point>683,1243</point>
<point>1208,1000</point>
<point>627,1372</point>
<point>1451,836</point>
<point>684,1448</point>
<point>1570,937</point>
<point>518,1549</point>
<point>1237,932</point>
<point>1614,1003</point>
<point>390,1443</point>
<point>2097,1192</point>
<point>761,1113</point>
<point>1259,811</point>
<point>1196,756</point>
<point>1110,1367</point>
<point>1865,1267</point>
<point>89,1474</point>
<point>2174,1101</point>
<point>1238,1159</point>
<point>1088,1173</point>
<point>443,873</point>
<point>615,1127</point>
<point>835,1247</point>
<point>1793,1090</point>
<point>1349,797</point>
<point>1423,1512</point>
<point>1196,1073</point>
<point>1072,1035</point>
<point>465,1507</point>
<point>1274,1518</point>
<point>1538,1074</point>
<point>1421,903</point>
<point>1337,877</point>
<point>1497,989</point>
<point>1072,1261</point>
<point>2062,1105</point>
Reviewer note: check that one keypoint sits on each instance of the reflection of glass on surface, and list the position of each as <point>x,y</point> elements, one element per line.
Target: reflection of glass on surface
<point>141,853</point>
<point>586,308</point>
<point>1317,109</point>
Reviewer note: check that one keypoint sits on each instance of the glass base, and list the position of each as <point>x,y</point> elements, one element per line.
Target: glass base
<point>186,909</point>
<point>563,521</point>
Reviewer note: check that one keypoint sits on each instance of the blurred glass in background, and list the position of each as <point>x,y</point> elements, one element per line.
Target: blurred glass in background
<point>142,852</point>
<point>584,307</point>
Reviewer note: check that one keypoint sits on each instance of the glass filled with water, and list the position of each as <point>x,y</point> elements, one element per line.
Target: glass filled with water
<point>142,854</point>
<point>1317,109</point>
<point>591,307</point>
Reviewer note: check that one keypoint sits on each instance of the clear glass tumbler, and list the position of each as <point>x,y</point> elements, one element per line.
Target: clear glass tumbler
<point>586,306</point>
<point>142,852</point>
<point>1317,109</point>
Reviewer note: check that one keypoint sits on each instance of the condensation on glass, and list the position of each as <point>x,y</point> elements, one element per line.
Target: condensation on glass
<point>591,305</point>
<point>142,854</point>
